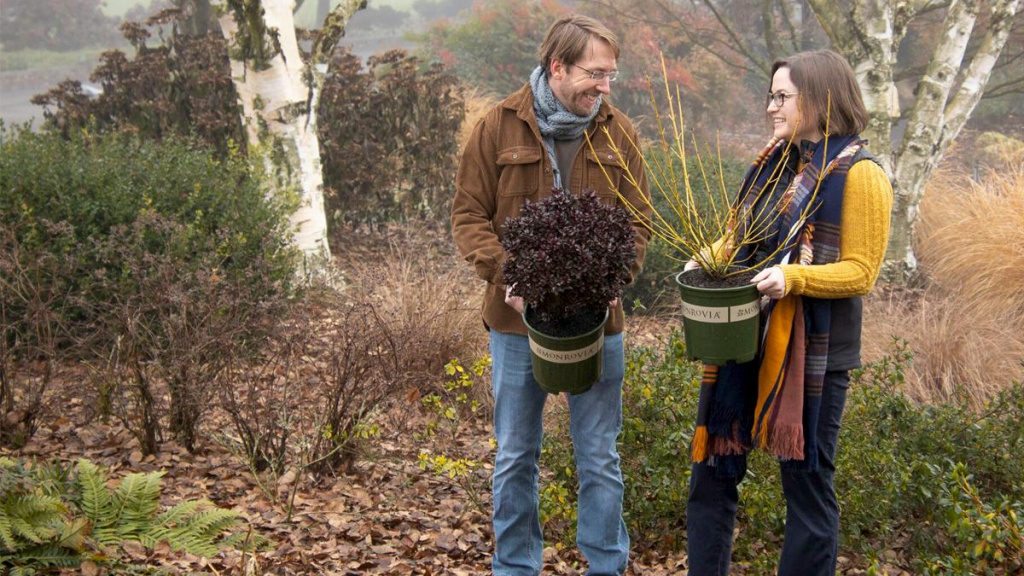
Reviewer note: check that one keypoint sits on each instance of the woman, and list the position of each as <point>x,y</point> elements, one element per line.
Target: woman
<point>790,400</point>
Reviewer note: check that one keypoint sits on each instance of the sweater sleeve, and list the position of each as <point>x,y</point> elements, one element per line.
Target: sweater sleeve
<point>864,234</point>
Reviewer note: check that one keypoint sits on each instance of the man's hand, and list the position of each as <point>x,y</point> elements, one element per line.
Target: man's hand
<point>771,282</point>
<point>516,302</point>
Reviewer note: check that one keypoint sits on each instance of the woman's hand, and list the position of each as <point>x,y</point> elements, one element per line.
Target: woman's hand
<point>691,265</point>
<point>771,282</point>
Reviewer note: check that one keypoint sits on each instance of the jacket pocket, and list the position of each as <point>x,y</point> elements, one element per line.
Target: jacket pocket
<point>519,168</point>
<point>603,165</point>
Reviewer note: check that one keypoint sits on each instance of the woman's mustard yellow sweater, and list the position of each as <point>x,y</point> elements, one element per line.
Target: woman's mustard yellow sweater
<point>864,232</point>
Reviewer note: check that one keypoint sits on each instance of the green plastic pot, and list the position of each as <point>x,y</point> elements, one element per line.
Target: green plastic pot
<point>720,324</point>
<point>566,364</point>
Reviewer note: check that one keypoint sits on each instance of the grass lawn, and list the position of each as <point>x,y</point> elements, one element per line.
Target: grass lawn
<point>44,59</point>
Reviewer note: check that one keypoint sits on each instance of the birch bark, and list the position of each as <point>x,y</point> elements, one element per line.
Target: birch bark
<point>868,34</point>
<point>946,96</point>
<point>279,96</point>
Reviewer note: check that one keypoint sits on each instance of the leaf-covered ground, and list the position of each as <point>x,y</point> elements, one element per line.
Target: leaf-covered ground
<point>385,517</point>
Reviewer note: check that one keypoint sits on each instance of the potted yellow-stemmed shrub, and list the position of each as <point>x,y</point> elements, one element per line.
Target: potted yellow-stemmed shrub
<point>569,256</point>
<point>701,219</point>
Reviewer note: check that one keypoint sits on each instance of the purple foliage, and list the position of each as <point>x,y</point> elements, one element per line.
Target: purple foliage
<point>568,254</point>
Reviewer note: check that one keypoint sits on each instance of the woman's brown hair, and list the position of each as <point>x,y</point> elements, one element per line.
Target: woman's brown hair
<point>569,37</point>
<point>819,75</point>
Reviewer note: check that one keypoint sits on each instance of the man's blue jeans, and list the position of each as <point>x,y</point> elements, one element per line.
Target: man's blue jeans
<point>811,543</point>
<point>596,418</point>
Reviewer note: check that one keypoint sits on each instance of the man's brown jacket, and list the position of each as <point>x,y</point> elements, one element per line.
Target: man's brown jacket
<point>505,164</point>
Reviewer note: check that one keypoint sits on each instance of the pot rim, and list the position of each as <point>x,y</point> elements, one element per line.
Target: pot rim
<point>600,326</point>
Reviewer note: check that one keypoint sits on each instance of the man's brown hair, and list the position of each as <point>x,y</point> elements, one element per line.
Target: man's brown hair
<point>568,38</point>
<point>819,75</point>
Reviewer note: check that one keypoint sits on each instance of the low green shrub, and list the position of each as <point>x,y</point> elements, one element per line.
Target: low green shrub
<point>57,517</point>
<point>148,261</point>
<point>659,406</point>
<point>95,183</point>
<point>948,477</point>
<point>945,479</point>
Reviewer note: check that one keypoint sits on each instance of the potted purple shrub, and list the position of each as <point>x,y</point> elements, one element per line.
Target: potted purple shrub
<point>569,256</point>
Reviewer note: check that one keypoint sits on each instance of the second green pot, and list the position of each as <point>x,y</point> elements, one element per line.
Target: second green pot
<point>720,324</point>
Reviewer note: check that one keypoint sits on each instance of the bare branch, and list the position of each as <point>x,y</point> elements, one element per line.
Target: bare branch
<point>737,41</point>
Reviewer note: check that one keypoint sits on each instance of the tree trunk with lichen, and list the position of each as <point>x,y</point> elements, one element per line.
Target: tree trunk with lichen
<point>279,91</point>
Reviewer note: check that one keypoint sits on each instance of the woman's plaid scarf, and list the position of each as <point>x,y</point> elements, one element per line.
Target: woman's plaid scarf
<point>770,401</point>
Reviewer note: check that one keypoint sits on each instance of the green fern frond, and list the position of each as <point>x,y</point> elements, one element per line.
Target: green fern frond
<point>74,533</point>
<point>50,555</point>
<point>178,513</point>
<point>137,499</point>
<point>36,528</point>
<point>197,530</point>
<point>107,535</point>
<point>6,533</point>
<point>246,541</point>
<point>32,504</point>
<point>95,495</point>
<point>192,543</point>
<point>212,522</point>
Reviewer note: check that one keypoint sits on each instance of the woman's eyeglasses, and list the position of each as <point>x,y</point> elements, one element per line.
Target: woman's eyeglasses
<point>779,98</point>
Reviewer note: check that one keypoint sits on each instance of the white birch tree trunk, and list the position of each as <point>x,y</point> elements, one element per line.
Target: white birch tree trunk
<point>279,105</point>
<point>940,111</point>
<point>868,34</point>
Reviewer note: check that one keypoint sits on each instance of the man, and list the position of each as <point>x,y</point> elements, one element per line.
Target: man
<point>529,143</point>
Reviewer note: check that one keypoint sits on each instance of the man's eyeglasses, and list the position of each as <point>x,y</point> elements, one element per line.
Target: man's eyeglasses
<point>599,75</point>
<point>779,98</point>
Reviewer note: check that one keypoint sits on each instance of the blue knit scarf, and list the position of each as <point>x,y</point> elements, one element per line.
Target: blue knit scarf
<point>556,122</point>
<point>773,402</point>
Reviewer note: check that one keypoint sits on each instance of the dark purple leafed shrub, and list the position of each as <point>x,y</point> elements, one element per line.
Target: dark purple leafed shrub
<point>568,255</point>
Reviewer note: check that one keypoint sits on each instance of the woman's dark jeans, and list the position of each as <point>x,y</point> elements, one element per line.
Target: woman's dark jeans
<point>811,541</point>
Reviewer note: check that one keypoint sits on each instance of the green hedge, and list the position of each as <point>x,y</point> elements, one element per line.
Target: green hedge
<point>945,480</point>
<point>66,200</point>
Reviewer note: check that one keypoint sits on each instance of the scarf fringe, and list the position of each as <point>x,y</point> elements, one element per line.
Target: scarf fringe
<point>723,419</point>
<point>786,442</point>
<point>721,446</point>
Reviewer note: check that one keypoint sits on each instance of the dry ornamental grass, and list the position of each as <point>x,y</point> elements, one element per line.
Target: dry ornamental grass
<point>967,326</point>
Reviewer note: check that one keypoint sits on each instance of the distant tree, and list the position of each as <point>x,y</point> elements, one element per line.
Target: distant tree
<point>384,17</point>
<point>437,9</point>
<point>60,25</point>
<point>494,46</point>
